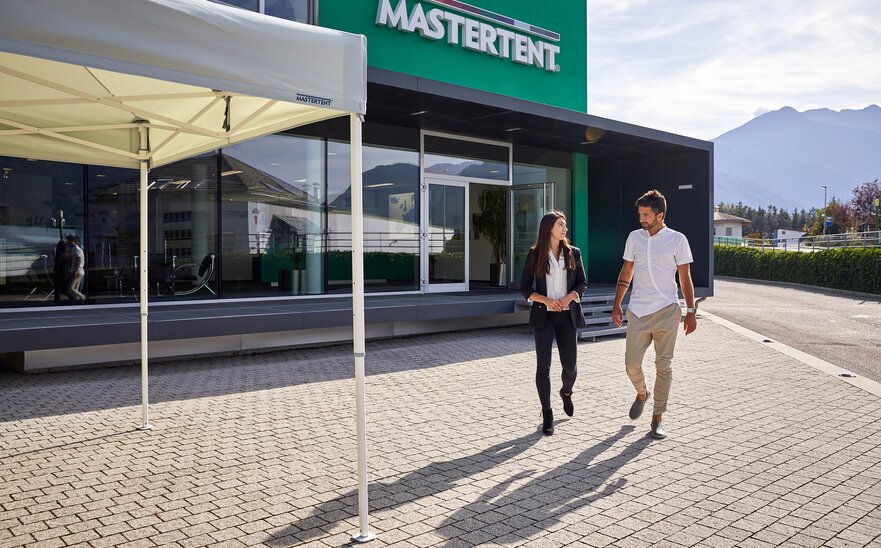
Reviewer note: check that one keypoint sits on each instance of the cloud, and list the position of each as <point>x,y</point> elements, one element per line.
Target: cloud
<point>704,68</point>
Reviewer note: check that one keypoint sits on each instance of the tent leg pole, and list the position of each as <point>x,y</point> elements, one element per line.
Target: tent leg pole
<point>364,534</point>
<point>143,288</point>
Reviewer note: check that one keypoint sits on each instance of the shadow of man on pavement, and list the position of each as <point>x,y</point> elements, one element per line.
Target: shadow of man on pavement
<point>429,480</point>
<point>535,505</point>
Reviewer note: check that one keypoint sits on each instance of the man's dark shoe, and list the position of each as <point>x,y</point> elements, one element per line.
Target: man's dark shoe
<point>547,425</point>
<point>638,406</point>
<point>658,431</point>
<point>567,403</point>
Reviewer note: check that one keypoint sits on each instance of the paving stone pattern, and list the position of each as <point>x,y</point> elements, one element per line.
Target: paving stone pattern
<point>260,449</point>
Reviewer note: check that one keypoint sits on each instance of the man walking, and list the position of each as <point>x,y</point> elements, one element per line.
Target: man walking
<point>77,271</point>
<point>652,258</point>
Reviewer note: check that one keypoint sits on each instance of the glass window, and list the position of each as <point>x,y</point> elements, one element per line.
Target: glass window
<point>250,5</point>
<point>183,229</point>
<point>294,10</point>
<point>273,226</point>
<point>40,204</point>
<point>113,245</point>
<point>445,156</point>
<point>391,219</point>
<point>531,202</point>
<point>561,177</point>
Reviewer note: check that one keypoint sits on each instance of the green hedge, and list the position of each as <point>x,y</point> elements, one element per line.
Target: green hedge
<point>851,269</point>
<point>377,265</point>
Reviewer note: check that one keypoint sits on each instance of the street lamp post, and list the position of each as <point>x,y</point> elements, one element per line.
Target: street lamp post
<point>877,234</point>
<point>824,209</point>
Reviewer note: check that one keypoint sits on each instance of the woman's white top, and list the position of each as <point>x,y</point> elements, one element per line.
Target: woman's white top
<point>556,277</point>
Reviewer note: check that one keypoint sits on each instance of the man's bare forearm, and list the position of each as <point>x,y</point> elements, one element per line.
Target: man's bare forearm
<point>687,286</point>
<point>623,284</point>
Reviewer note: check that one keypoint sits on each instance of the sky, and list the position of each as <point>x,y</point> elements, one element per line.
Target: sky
<point>703,67</point>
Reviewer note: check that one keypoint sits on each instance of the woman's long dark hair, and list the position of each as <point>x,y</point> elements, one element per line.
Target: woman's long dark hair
<point>541,266</point>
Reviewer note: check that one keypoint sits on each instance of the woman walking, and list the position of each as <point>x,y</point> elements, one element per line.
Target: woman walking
<point>553,280</point>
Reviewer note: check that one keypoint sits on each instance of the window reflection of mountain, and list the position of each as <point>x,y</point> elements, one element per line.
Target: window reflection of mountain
<point>468,168</point>
<point>391,210</point>
<point>395,178</point>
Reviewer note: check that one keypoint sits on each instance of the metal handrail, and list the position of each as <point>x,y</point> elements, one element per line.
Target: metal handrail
<point>868,239</point>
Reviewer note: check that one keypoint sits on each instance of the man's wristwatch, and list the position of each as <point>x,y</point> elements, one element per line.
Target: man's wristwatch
<point>691,310</point>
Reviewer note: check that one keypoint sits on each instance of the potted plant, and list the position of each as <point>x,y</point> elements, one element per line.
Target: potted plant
<point>298,256</point>
<point>491,223</point>
<point>290,268</point>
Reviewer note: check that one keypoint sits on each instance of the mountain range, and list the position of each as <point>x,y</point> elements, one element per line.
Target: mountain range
<point>783,157</point>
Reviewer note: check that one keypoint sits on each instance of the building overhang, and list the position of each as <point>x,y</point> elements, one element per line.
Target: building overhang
<point>405,100</point>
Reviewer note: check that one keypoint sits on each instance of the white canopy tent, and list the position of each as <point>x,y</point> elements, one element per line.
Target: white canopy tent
<point>143,83</point>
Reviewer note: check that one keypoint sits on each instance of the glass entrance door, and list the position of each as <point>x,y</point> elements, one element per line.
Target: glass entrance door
<point>528,205</point>
<point>445,235</point>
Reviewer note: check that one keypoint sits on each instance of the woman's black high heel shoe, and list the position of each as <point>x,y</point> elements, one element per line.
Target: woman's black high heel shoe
<point>547,426</point>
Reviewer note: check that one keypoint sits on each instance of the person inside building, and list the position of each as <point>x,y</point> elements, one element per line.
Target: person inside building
<point>553,280</point>
<point>77,268</point>
<point>61,270</point>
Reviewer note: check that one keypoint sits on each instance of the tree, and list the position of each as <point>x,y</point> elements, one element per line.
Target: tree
<point>862,204</point>
<point>767,222</point>
<point>843,219</point>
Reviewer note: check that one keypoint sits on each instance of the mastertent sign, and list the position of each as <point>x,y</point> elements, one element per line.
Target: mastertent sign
<point>525,49</point>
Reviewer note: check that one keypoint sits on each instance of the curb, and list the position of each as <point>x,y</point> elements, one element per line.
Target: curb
<point>865,384</point>
<point>812,288</point>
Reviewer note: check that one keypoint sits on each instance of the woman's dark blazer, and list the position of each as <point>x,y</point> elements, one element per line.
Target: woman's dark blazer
<point>529,284</point>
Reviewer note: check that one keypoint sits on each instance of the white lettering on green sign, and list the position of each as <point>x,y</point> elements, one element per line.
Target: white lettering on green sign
<point>472,34</point>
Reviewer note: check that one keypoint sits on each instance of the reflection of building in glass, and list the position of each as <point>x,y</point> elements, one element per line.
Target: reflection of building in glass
<point>39,203</point>
<point>254,199</point>
<point>391,210</point>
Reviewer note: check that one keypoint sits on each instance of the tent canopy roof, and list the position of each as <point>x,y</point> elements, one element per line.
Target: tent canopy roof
<point>77,78</point>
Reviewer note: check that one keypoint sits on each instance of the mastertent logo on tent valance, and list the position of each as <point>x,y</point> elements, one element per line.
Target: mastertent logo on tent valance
<point>475,28</point>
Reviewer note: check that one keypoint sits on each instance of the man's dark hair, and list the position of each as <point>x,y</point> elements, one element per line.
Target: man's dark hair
<point>654,200</point>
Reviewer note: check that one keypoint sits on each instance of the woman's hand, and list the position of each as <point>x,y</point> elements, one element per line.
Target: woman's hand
<point>553,305</point>
<point>564,301</point>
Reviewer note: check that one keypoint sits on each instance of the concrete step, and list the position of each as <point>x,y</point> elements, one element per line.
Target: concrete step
<point>597,315</point>
<point>599,309</point>
<point>600,320</point>
<point>593,333</point>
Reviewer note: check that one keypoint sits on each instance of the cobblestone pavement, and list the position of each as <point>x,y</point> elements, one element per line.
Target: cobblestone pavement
<point>259,450</point>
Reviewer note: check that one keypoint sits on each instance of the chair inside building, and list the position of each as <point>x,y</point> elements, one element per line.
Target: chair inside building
<point>40,279</point>
<point>198,277</point>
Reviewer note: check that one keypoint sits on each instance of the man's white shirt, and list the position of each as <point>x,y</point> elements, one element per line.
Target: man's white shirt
<point>79,261</point>
<point>655,259</point>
